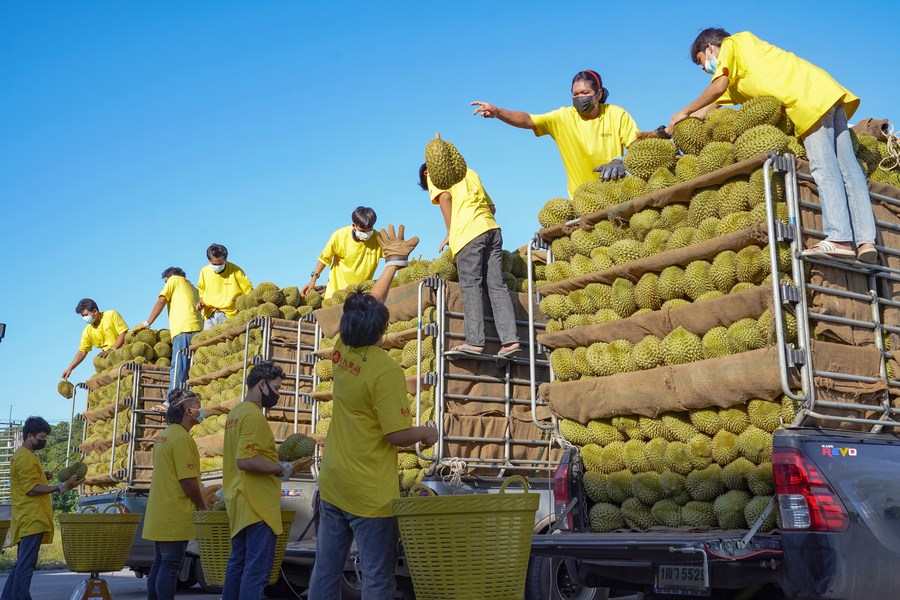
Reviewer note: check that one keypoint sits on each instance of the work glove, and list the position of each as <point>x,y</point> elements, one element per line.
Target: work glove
<point>288,471</point>
<point>139,326</point>
<point>396,250</point>
<point>612,170</point>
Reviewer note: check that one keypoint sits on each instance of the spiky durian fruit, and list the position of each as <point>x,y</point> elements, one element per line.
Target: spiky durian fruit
<point>662,178</point>
<point>715,343</point>
<point>762,110</point>
<point>667,513</point>
<point>690,135</point>
<point>646,156</point>
<point>626,250</point>
<point>562,360</point>
<point>681,346</point>
<point>446,166</point>
<point>758,140</point>
<point>637,514</point>
<point>686,168</point>
<point>65,389</point>
<point>714,156</point>
<point>595,486</point>
<point>705,484</point>
<point>755,508</point>
<point>698,514</point>
<point>296,446</point>
<point>729,509</point>
<point>722,124</point>
<point>556,211</point>
<point>618,486</point>
<point>672,485</point>
<point>605,517</point>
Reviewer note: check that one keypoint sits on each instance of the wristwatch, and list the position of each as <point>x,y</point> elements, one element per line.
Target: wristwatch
<point>314,275</point>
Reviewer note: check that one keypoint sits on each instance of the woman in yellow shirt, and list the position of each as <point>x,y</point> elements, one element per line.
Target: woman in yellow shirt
<point>588,133</point>
<point>743,67</point>
<point>174,494</point>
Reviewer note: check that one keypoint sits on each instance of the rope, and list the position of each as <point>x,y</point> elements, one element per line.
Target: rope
<point>456,468</point>
<point>563,442</point>
<point>892,160</point>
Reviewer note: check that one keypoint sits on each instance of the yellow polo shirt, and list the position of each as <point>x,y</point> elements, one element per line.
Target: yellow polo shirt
<point>359,468</point>
<point>181,298</point>
<point>169,509</point>
<point>250,497</point>
<point>351,262</point>
<point>756,68</point>
<point>105,333</point>
<point>586,144</point>
<point>30,514</point>
<point>470,210</point>
<point>219,290</point>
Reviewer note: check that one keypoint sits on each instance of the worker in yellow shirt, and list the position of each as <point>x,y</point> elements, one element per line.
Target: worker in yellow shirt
<point>220,284</point>
<point>174,494</point>
<point>358,478</point>
<point>252,479</point>
<point>742,67</point>
<point>352,253</point>
<point>181,297</point>
<point>477,246</point>
<point>105,330</point>
<point>32,515</point>
<point>591,135</point>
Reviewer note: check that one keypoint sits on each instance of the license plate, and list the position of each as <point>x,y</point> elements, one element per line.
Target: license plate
<point>683,579</point>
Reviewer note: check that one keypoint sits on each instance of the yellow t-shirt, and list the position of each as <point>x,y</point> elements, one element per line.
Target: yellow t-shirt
<point>359,468</point>
<point>756,68</point>
<point>169,509</point>
<point>181,297</point>
<point>351,262</point>
<point>219,290</point>
<point>470,210</point>
<point>105,333</point>
<point>586,144</point>
<point>30,514</point>
<point>250,497</point>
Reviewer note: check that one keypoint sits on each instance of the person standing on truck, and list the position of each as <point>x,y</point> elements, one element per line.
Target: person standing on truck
<point>352,252</point>
<point>174,493</point>
<point>252,479</point>
<point>591,135</point>
<point>744,67</point>
<point>358,478</point>
<point>477,246</point>
<point>181,297</point>
<point>32,514</point>
<point>220,284</point>
<point>105,330</point>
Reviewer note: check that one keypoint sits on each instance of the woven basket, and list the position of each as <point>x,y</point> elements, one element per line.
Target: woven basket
<point>214,541</point>
<point>94,542</point>
<point>4,529</point>
<point>468,547</point>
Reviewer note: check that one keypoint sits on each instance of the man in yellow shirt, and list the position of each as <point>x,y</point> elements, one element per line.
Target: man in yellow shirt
<point>742,67</point>
<point>105,330</point>
<point>252,479</point>
<point>352,253</point>
<point>477,246</point>
<point>181,297</point>
<point>174,494</point>
<point>32,515</point>
<point>220,284</point>
<point>358,478</point>
<point>591,135</point>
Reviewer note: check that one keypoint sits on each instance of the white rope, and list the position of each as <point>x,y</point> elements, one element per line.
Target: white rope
<point>892,160</point>
<point>563,442</point>
<point>455,468</point>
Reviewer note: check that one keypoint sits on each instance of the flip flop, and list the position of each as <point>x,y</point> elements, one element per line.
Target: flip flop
<point>867,255</point>
<point>161,408</point>
<point>464,350</point>
<point>509,353</point>
<point>826,249</point>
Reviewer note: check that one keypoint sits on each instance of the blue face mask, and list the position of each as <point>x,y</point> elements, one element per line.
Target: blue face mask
<point>218,268</point>
<point>88,318</point>
<point>201,415</point>
<point>710,65</point>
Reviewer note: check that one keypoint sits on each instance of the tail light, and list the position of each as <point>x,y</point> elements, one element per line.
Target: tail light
<point>806,500</point>
<point>562,496</point>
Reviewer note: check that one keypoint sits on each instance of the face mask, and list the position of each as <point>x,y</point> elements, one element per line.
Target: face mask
<point>362,235</point>
<point>709,65</point>
<point>584,104</point>
<point>88,318</point>
<point>218,268</point>
<point>200,416</point>
<point>40,444</point>
<point>270,398</point>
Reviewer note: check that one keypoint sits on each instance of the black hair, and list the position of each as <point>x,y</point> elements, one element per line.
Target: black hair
<point>710,35</point>
<point>173,271</point>
<point>217,251</point>
<point>85,304</point>
<point>364,321</point>
<point>179,399</point>
<point>364,217</point>
<point>266,370</point>
<point>34,426</point>
<point>595,81</point>
<point>423,177</point>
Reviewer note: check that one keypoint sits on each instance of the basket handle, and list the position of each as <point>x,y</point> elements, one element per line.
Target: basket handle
<point>88,509</point>
<point>514,479</point>
<point>417,490</point>
<point>117,508</point>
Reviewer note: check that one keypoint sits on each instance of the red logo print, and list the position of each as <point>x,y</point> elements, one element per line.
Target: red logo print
<point>336,357</point>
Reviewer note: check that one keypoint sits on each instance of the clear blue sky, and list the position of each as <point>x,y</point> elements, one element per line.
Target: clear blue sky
<point>132,135</point>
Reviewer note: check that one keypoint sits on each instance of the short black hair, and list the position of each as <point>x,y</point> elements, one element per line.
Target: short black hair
<point>85,304</point>
<point>364,217</point>
<point>34,426</point>
<point>266,370</point>
<point>364,321</point>
<point>710,35</point>
<point>423,177</point>
<point>173,271</point>
<point>594,80</point>
<point>179,400</point>
<point>217,251</point>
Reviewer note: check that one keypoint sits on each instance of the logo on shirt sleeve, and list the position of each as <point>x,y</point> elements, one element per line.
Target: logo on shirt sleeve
<point>404,411</point>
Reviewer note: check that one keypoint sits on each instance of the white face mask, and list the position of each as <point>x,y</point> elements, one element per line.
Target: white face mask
<point>709,65</point>
<point>218,268</point>
<point>362,235</point>
<point>88,318</point>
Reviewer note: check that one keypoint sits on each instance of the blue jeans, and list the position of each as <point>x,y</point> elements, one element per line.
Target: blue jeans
<point>250,563</point>
<point>214,319</point>
<point>163,577</point>
<point>376,542</point>
<point>18,583</point>
<point>480,265</point>
<point>181,364</point>
<point>843,191</point>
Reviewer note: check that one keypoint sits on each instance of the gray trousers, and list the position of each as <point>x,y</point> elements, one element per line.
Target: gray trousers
<point>480,266</point>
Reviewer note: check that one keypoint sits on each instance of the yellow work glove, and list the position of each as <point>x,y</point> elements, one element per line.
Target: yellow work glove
<point>139,326</point>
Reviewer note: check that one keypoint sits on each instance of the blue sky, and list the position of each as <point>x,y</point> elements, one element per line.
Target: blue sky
<point>133,135</point>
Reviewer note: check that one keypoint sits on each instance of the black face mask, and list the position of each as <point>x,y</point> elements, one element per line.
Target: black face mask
<point>584,104</point>
<point>40,444</point>
<point>270,398</point>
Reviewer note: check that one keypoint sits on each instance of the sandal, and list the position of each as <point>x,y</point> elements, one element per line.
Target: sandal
<point>160,407</point>
<point>511,351</point>
<point>867,255</point>
<point>464,349</point>
<point>826,249</point>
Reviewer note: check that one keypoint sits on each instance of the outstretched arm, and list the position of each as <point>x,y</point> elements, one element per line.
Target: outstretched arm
<point>396,252</point>
<point>516,118</point>
<point>79,356</point>
<point>709,96</point>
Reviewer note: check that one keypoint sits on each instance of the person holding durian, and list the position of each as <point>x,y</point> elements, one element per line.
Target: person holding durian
<point>591,135</point>
<point>744,67</point>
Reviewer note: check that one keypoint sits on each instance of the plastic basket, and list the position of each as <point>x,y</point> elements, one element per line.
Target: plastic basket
<point>4,529</point>
<point>93,542</point>
<point>214,542</point>
<point>468,547</point>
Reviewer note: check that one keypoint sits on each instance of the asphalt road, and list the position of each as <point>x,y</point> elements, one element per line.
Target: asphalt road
<point>123,585</point>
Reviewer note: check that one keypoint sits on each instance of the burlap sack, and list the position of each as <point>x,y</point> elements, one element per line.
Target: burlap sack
<point>874,127</point>
<point>402,302</point>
